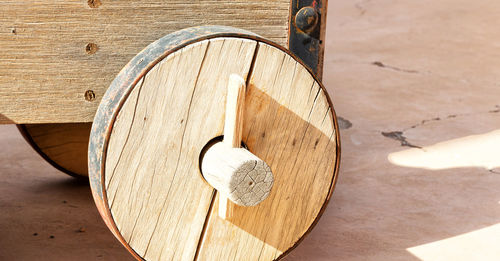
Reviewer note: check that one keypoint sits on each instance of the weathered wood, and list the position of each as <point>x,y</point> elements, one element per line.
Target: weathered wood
<point>288,124</point>
<point>53,52</point>
<point>233,126</point>
<point>236,173</point>
<point>150,200</point>
<point>64,146</point>
<point>235,105</point>
<point>150,130</point>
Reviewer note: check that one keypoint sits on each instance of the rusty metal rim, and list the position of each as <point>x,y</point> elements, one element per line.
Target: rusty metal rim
<point>127,83</point>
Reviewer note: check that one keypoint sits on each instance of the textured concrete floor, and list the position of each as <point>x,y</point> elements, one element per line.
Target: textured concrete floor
<point>418,86</point>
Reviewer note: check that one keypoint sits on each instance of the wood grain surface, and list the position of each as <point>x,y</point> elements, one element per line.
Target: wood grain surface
<point>289,124</point>
<point>157,196</point>
<point>150,190</point>
<point>235,172</point>
<point>58,57</point>
<point>64,146</point>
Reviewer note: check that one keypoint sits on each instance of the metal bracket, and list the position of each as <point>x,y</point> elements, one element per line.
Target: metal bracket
<point>307,32</point>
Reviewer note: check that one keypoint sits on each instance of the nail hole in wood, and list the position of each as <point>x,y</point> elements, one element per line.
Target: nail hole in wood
<point>89,95</point>
<point>94,3</point>
<point>91,48</point>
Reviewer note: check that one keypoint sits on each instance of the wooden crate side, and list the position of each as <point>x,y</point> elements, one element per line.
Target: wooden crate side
<point>57,58</point>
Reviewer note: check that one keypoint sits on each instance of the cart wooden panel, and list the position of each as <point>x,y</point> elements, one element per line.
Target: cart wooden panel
<point>58,57</point>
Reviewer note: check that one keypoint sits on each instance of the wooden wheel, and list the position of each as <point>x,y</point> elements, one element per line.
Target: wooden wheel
<point>63,145</point>
<point>152,129</point>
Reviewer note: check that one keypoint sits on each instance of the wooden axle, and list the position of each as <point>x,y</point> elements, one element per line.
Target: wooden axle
<point>236,173</point>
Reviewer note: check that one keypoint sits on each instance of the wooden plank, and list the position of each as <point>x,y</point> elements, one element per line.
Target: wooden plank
<point>157,197</point>
<point>289,124</point>
<point>47,64</point>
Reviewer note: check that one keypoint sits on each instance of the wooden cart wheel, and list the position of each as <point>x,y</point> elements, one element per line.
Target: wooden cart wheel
<point>63,145</point>
<point>150,137</point>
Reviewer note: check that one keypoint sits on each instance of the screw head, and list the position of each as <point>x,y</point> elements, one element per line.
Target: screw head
<point>94,3</point>
<point>306,19</point>
<point>89,95</point>
<point>91,48</point>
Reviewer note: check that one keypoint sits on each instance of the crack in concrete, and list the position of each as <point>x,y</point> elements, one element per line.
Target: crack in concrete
<point>398,135</point>
<point>494,171</point>
<point>451,116</point>
<point>423,122</point>
<point>394,68</point>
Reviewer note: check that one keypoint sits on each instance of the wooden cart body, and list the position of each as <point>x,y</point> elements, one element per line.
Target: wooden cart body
<point>58,57</point>
<point>58,63</point>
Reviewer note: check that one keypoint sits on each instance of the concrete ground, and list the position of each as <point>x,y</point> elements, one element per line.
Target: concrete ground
<point>417,87</point>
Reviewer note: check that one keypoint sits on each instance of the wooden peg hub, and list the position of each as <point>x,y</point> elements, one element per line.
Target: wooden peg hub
<point>236,173</point>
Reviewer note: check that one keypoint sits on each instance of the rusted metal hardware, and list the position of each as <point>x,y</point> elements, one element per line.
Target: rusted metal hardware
<point>306,19</point>
<point>307,22</point>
